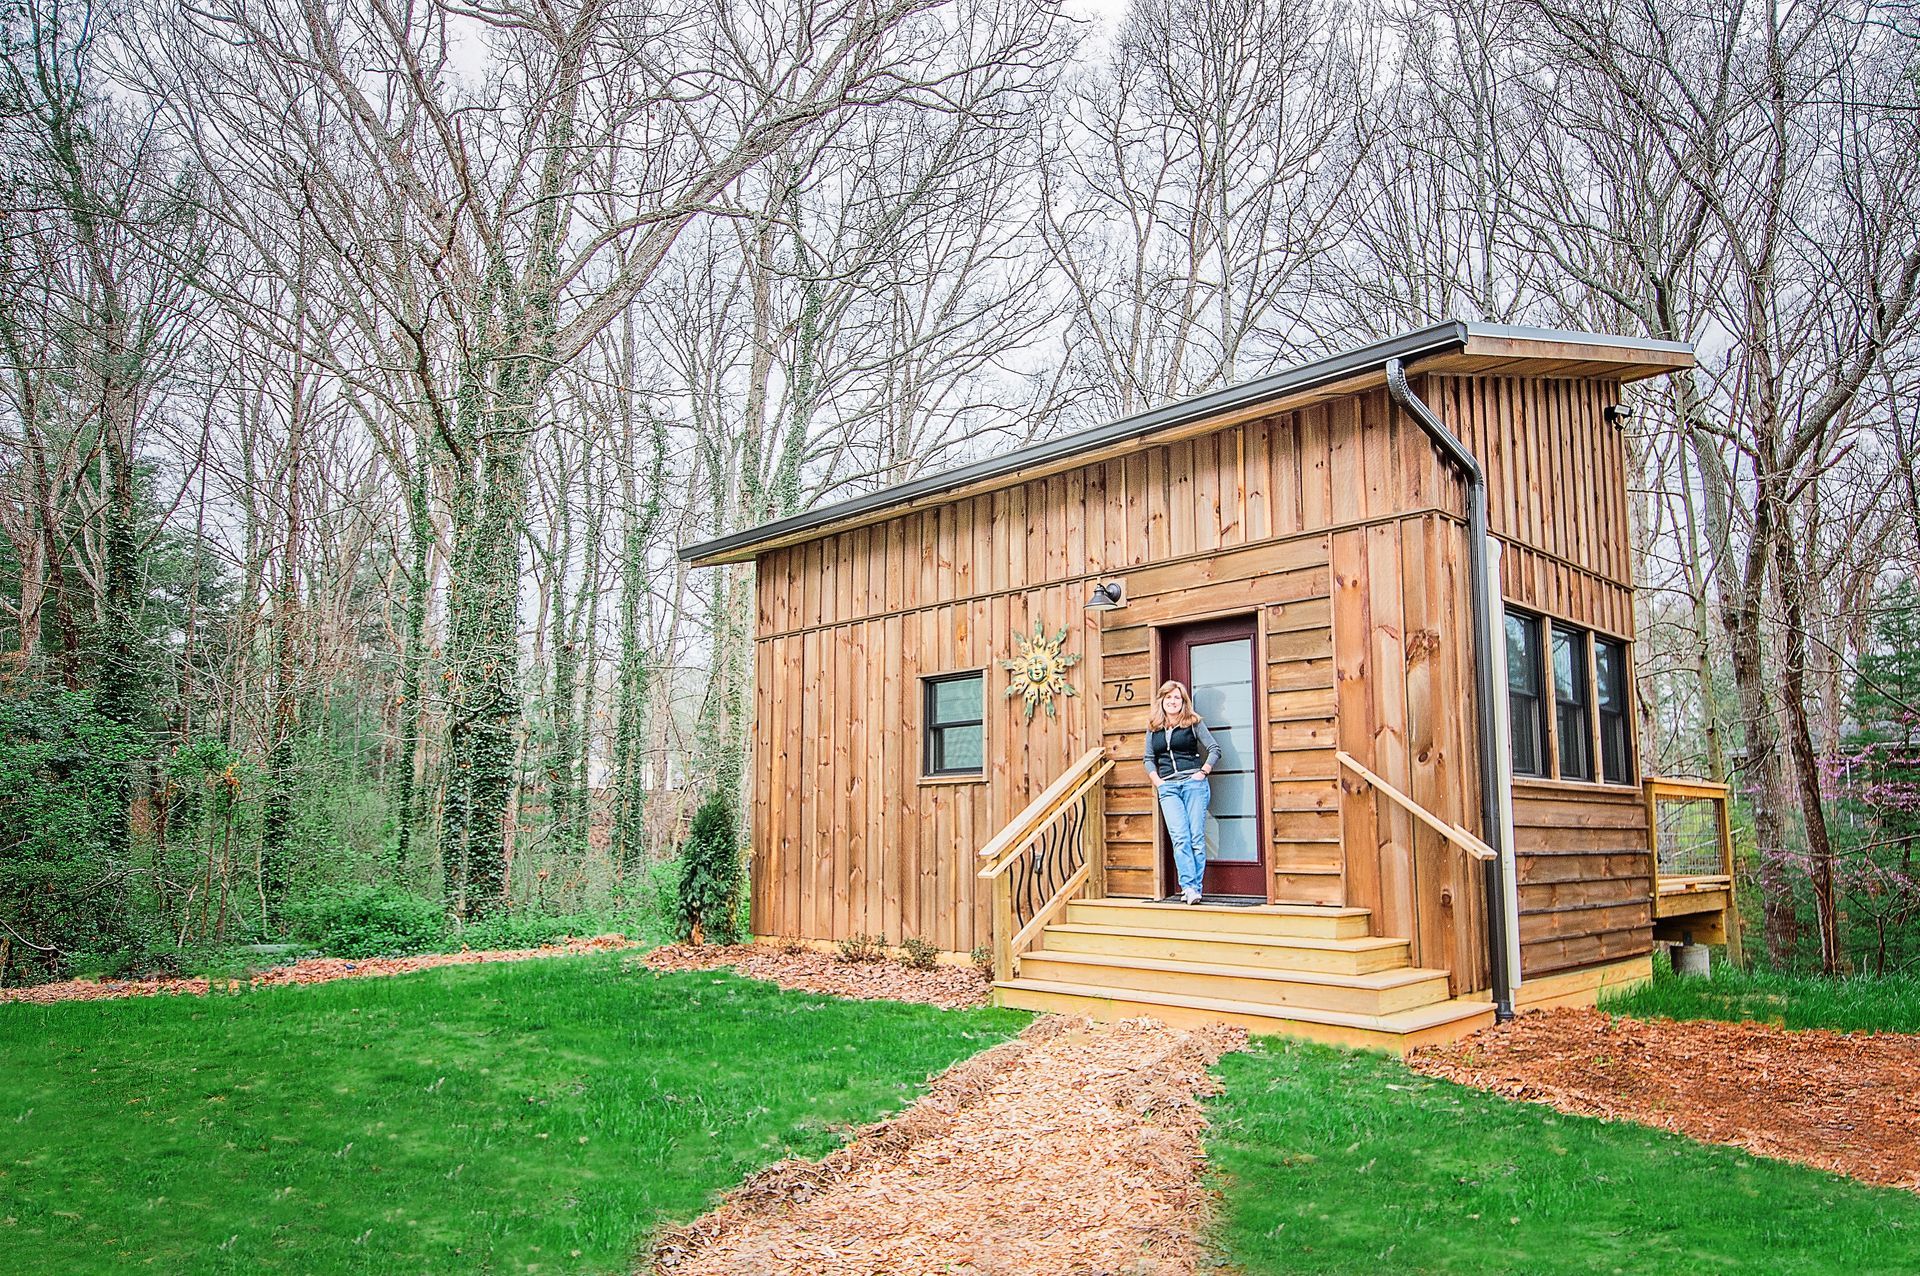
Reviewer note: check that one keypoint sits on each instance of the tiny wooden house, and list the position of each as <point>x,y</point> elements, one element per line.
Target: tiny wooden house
<point>953,680</point>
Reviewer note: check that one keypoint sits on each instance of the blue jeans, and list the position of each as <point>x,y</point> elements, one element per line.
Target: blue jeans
<point>1183,805</point>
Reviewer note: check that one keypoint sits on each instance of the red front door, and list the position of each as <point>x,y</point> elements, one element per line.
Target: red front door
<point>1219,660</point>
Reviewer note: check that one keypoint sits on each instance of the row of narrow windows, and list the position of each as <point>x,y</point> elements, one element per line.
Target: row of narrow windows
<point>1589,736</point>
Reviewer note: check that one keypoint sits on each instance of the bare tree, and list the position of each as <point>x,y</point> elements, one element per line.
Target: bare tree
<point>1197,185</point>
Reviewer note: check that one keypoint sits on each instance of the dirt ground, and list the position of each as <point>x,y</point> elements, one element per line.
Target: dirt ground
<point>1837,1101</point>
<point>951,987</point>
<point>1074,1148</point>
<point>312,970</point>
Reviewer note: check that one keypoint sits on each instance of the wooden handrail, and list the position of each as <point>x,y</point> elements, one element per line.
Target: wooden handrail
<point>1445,828</point>
<point>1052,816</point>
<point>1009,841</point>
<point>1670,786</point>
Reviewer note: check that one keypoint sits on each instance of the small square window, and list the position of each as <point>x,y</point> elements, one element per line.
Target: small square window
<point>955,742</point>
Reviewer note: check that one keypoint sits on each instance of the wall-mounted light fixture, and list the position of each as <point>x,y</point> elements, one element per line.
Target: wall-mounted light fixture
<point>1617,414</point>
<point>1106,596</point>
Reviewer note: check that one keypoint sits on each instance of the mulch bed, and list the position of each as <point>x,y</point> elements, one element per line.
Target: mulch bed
<point>1836,1101</point>
<point>1071,1149</point>
<point>950,987</point>
<point>312,970</point>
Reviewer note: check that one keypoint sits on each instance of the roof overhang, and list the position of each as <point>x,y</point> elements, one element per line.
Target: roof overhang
<point>1456,348</point>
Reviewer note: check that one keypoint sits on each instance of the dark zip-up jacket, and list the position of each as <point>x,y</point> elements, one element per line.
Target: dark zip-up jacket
<point>1177,754</point>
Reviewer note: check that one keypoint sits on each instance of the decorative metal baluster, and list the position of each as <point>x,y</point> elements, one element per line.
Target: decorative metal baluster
<point>1049,860</point>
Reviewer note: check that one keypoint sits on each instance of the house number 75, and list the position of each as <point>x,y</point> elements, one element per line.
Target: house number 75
<point>1123,693</point>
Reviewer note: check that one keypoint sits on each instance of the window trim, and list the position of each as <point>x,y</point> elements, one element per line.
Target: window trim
<point>1542,746</point>
<point>930,727</point>
<point>1582,653</point>
<point>1595,642</point>
<point>1587,659</point>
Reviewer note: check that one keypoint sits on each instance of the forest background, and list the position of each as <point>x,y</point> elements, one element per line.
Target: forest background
<point>363,363</point>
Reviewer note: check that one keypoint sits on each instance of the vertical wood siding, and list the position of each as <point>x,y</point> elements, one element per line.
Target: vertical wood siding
<point>1557,484</point>
<point>1335,524</point>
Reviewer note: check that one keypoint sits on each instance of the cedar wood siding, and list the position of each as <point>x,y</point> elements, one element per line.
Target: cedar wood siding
<point>1557,498</point>
<point>1335,524</point>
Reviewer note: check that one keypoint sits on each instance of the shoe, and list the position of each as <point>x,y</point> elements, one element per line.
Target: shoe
<point>1189,896</point>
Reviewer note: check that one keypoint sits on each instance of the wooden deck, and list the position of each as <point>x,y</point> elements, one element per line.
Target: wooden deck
<point>1694,909</point>
<point>1293,970</point>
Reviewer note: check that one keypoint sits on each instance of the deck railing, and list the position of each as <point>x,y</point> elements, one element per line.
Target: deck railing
<point>1690,831</point>
<point>1050,853</point>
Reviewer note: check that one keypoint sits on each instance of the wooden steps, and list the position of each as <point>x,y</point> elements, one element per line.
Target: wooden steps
<point>1399,1032</point>
<point>1286,952</point>
<point>1297,970</point>
<point>1382,992</point>
<point>1267,919</point>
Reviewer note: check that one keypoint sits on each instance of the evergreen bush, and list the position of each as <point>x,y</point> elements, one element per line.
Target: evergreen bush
<point>712,875</point>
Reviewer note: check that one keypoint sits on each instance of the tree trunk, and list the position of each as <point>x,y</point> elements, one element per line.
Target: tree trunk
<point>276,821</point>
<point>1800,738</point>
<point>412,659</point>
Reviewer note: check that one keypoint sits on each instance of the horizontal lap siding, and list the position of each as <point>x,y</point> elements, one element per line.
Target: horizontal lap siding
<point>1303,821</point>
<point>1585,876</point>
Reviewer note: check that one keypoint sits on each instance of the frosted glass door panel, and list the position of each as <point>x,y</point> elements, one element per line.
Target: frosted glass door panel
<point>1223,697</point>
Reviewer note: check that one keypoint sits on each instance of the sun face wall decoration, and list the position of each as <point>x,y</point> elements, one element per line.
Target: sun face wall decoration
<point>1040,668</point>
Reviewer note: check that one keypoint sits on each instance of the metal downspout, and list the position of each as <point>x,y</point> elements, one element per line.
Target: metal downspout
<point>1483,638</point>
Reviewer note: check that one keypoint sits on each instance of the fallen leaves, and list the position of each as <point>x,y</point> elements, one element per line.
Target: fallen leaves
<point>312,970</point>
<point>1836,1101</point>
<point>949,987</point>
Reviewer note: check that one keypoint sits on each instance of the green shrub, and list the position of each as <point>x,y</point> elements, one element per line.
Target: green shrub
<point>531,930</point>
<point>917,954</point>
<point>655,904</point>
<point>863,948</point>
<point>712,874</point>
<point>368,921</point>
<point>983,960</point>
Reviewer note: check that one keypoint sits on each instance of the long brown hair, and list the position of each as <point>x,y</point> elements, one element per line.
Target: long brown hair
<point>1187,718</point>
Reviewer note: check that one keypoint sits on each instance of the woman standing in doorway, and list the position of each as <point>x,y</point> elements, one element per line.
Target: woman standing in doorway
<point>1181,754</point>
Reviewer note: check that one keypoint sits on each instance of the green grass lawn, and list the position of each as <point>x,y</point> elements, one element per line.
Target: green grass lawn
<point>1860,1003</point>
<point>535,1117</point>
<point>1336,1162</point>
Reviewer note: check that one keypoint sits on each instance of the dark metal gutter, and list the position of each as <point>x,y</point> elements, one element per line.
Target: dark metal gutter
<point>1479,587</point>
<point>1438,339</point>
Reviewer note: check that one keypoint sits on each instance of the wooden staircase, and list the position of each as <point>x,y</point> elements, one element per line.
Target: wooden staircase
<point>1297,970</point>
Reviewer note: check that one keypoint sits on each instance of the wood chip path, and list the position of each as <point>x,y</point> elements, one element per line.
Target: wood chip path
<point>1073,1149</point>
<point>312,970</point>
<point>1836,1101</point>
